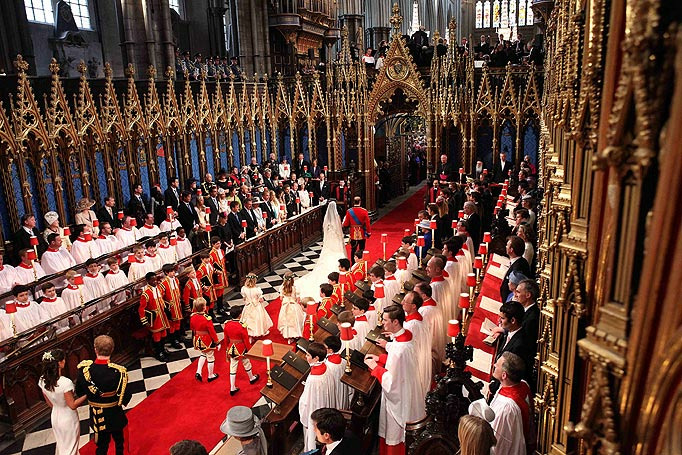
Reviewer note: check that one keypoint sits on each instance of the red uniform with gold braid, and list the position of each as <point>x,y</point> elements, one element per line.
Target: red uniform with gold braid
<point>204,337</point>
<point>218,261</point>
<point>170,290</point>
<point>357,219</point>
<point>237,344</point>
<point>206,276</point>
<point>337,298</point>
<point>359,271</point>
<point>152,313</point>
<point>350,282</point>
<point>324,310</point>
<point>191,292</point>
<point>306,324</point>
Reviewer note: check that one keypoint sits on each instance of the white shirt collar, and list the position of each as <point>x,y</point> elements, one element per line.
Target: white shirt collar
<point>526,308</point>
<point>332,445</point>
<point>511,261</point>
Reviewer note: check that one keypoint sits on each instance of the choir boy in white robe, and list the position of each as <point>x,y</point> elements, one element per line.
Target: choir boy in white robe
<point>391,283</point>
<point>317,391</point>
<point>116,278</point>
<point>407,247</point>
<point>182,246</point>
<point>106,242</point>
<point>166,251</point>
<point>512,406</point>
<point>170,224</point>
<point>336,366</point>
<point>56,258</point>
<point>149,229</point>
<point>128,234</point>
<point>433,318</point>
<point>402,274</point>
<point>361,325</point>
<point>28,271</point>
<point>28,313</point>
<point>96,286</point>
<point>421,335</point>
<point>463,231</point>
<point>8,277</point>
<point>74,295</point>
<point>152,257</point>
<point>441,289</point>
<point>376,277</point>
<point>452,265</point>
<point>54,306</point>
<point>84,247</point>
<point>139,268</point>
<point>402,400</point>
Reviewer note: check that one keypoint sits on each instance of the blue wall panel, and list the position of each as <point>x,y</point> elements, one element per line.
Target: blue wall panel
<point>123,173</point>
<point>484,146</point>
<point>163,171</point>
<point>35,205</point>
<point>530,143</point>
<point>65,200</point>
<point>4,212</point>
<point>235,149</point>
<point>210,164</point>
<point>142,171</point>
<point>49,185</point>
<point>101,175</point>
<point>508,140</point>
<point>223,151</point>
<point>286,143</point>
<point>16,189</point>
<point>194,152</point>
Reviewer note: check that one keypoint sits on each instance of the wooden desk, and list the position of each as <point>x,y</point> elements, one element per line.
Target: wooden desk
<point>255,353</point>
<point>359,379</point>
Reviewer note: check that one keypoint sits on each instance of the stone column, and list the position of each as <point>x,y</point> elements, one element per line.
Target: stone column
<point>14,36</point>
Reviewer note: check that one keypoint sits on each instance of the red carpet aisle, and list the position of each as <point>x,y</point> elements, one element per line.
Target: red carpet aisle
<point>186,409</point>
<point>394,224</point>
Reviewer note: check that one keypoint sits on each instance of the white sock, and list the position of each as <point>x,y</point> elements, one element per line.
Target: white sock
<point>211,365</point>
<point>250,373</point>
<point>200,364</point>
<point>233,380</point>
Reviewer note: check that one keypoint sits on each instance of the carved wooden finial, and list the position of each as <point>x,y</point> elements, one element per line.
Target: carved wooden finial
<point>82,68</point>
<point>107,70</point>
<point>452,25</point>
<point>54,66</point>
<point>151,72</point>
<point>169,73</point>
<point>396,19</point>
<point>20,64</point>
<point>130,70</point>
<point>344,32</point>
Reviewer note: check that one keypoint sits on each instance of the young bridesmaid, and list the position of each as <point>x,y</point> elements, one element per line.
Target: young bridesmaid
<point>254,316</point>
<point>291,314</point>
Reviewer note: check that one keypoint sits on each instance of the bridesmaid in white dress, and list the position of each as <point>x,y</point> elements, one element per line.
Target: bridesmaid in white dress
<point>58,392</point>
<point>254,316</point>
<point>291,314</point>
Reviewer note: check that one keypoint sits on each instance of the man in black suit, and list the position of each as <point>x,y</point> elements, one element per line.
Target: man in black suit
<point>526,293</point>
<point>251,218</point>
<point>473,222</point>
<point>22,238</point>
<point>267,179</point>
<point>187,215</point>
<point>138,206</point>
<point>512,339</point>
<point>301,165</point>
<point>109,213</point>
<point>234,223</point>
<point>501,169</point>
<point>330,430</point>
<point>171,197</point>
<point>289,200</point>
<point>321,190</point>
<point>268,207</point>
<point>445,169</point>
<point>515,249</point>
<point>211,201</point>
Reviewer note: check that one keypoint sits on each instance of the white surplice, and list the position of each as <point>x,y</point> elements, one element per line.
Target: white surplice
<point>8,277</point>
<point>442,293</point>
<point>149,230</point>
<point>433,318</point>
<point>127,237</point>
<point>391,288</point>
<point>167,254</point>
<point>29,315</point>
<point>82,250</point>
<point>55,261</point>
<point>97,286</point>
<point>56,307</point>
<point>156,262</point>
<point>139,269</point>
<point>362,328</point>
<point>317,394</point>
<point>116,281</point>
<point>183,248</point>
<point>508,426</point>
<point>421,337</point>
<point>72,296</point>
<point>26,274</point>
<point>340,393</point>
<point>167,225</point>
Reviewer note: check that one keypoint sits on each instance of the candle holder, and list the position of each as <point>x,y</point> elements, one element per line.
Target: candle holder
<point>268,352</point>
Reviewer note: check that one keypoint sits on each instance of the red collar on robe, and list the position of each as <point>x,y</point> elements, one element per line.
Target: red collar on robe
<point>72,286</point>
<point>390,278</point>
<point>414,317</point>
<point>335,359</point>
<point>148,226</point>
<point>437,279</point>
<point>101,237</point>
<point>49,300</point>
<point>361,318</point>
<point>445,274</point>
<point>81,239</point>
<point>138,260</point>
<point>150,255</point>
<point>53,250</point>
<point>126,229</point>
<point>429,302</point>
<point>371,308</point>
<point>318,370</point>
<point>90,275</point>
<point>22,305</point>
<point>164,247</point>
<point>404,335</point>
<point>25,266</point>
<point>180,239</point>
<point>2,267</point>
<point>520,393</point>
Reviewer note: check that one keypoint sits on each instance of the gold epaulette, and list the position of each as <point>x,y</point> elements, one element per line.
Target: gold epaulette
<point>208,318</point>
<point>84,363</point>
<point>121,369</point>
<point>243,324</point>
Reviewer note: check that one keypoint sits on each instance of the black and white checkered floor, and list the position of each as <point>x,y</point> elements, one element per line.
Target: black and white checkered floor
<point>148,374</point>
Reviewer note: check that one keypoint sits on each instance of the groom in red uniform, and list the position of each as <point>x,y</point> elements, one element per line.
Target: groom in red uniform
<point>357,219</point>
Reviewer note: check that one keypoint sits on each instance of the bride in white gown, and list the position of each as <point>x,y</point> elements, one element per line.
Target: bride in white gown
<point>333,249</point>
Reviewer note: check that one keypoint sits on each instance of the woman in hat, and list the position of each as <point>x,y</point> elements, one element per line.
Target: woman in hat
<point>241,424</point>
<point>223,203</point>
<point>86,216</point>
<point>52,220</point>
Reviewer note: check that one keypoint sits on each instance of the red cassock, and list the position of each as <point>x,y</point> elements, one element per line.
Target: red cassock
<point>236,339</point>
<point>203,332</point>
<point>191,292</point>
<point>151,312</point>
<point>170,290</point>
<point>359,271</point>
<point>218,261</point>
<point>206,275</point>
<point>324,310</point>
<point>356,230</point>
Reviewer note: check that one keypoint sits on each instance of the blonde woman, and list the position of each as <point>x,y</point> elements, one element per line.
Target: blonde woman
<point>527,233</point>
<point>86,216</point>
<point>201,211</point>
<point>254,316</point>
<point>223,203</point>
<point>291,314</point>
<point>476,436</point>
<point>281,214</point>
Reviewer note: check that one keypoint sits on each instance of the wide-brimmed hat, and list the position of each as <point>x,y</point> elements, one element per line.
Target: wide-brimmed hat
<point>255,200</point>
<point>425,224</point>
<point>84,204</point>
<point>51,217</point>
<point>240,422</point>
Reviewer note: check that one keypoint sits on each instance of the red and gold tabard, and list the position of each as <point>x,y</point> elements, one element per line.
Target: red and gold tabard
<point>236,339</point>
<point>357,228</point>
<point>350,281</point>
<point>170,290</point>
<point>204,337</point>
<point>218,261</point>
<point>191,292</point>
<point>206,276</point>
<point>324,310</point>
<point>336,298</point>
<point>359,271</point>
<point>151,300</point>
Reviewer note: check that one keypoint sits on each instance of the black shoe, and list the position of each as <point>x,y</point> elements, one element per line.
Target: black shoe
<point>161,356</point>
<point>232,392</point>
<point>175,344</point>
<point>255,379</point>
<point>165,351</point>
<point>198,377</point>
<point>211,379</point>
